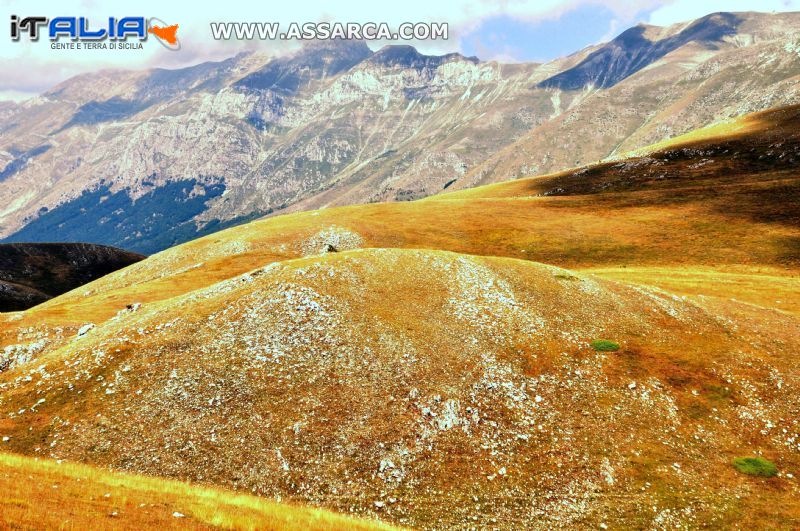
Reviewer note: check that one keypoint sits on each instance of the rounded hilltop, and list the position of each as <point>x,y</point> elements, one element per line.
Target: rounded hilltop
<point>427,388</point>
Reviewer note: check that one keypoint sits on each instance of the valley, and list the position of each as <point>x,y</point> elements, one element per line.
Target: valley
<point>33,273</point>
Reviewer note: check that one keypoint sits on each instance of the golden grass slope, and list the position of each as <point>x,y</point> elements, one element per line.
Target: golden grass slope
<point>429,363</point>
<point>43,494</point>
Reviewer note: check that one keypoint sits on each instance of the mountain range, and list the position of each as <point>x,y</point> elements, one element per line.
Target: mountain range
<point>148,159</point>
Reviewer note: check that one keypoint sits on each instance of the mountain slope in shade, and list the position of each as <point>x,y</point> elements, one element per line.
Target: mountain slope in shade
<point>194,150</point>
<point>431,363</point>
<point>32,273</point>
<point>633,51</point>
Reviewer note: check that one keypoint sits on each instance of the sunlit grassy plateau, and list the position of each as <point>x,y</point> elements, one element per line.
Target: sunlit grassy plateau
<point>436,363</point>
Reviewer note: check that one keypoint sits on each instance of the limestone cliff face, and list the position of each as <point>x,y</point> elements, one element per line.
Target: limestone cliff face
<point>148,159</point>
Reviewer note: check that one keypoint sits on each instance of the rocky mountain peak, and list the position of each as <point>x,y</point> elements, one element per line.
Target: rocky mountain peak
<point>316,60</point>
<point>337,47</point>
<point>711,28</point>
<point>406,56</point>
<point>634,49</point>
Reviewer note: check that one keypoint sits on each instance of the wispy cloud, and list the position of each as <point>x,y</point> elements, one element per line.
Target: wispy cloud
<point>682,10</point>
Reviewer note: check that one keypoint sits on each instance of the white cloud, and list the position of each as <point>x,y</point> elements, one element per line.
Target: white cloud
<point>15,95</point>
<point>684,10</point>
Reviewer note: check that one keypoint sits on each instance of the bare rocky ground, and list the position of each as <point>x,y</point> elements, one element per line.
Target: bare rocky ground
<point>430,389</point>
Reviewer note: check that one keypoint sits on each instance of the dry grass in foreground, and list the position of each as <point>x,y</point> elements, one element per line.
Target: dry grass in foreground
<point>761,286</point>
<point>43,494</point>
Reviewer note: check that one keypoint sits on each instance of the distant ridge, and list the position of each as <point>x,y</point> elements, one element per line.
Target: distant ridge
<point>31,273</point>
<point>632,51</point>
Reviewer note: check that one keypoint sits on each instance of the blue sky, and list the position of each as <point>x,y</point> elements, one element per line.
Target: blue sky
<point>515,37</point>
<point>505,30</point>
<point>504,37</point>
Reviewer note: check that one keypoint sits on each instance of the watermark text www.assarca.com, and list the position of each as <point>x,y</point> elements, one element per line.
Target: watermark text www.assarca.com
<point>369,31</point>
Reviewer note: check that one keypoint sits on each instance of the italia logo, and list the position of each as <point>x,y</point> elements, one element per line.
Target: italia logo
<point>167,35</point>
<point>79,29</point>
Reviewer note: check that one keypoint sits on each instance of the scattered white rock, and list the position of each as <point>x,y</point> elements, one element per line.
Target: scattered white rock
<point>607,471</point>
<point>331,239</point>
<point>82,331</point>
<point>14,355</point>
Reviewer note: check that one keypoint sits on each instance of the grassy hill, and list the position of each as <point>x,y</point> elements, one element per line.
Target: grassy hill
<point>436,363</point>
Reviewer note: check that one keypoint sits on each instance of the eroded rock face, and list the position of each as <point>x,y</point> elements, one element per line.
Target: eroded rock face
<point>217,144</point>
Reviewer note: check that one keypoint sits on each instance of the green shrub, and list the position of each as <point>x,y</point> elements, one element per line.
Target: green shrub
<point>604,345</point>
<point>755,466</point>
